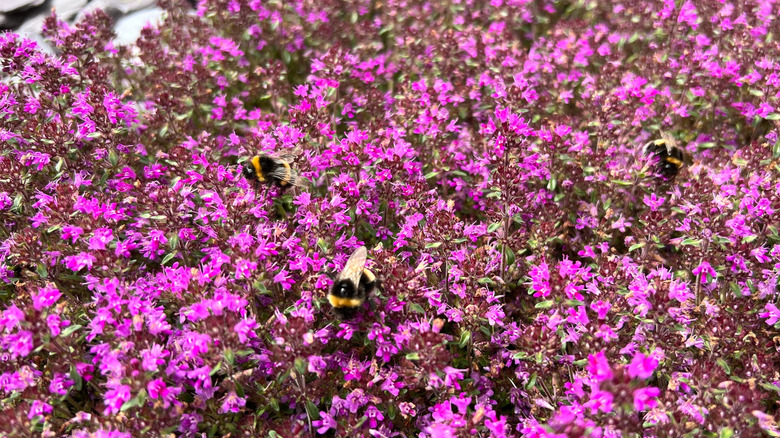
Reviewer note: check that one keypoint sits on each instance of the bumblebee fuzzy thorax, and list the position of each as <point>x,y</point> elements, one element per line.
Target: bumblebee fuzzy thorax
<point>669,157</point>
<point>268,169</point>
<point>353,285</point>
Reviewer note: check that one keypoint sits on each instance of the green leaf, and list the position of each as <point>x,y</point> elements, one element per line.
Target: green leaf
<point>76,378</point>
<point>531,382</point>
<point>416,308</point>
<point>301,365</point>
<point>230,357</point>
<point>722,363</point>
<point>773,116</point>
<point>726,432</point>
<point>770,387</point>
<point>136,401</point>
<point>544,304</point>
<point>521,355</point>
<point>465,338</point>
<point>67,331</point>
<point>42,271</point>
<point>750,238</point>
<point>433,245</point>
<point>168,257</point>
<point>636,246</point>
<point>485,280</point>
<point>493,227</point>
<point>113,158</point>
<point>239,389</point>
<point>413,356</point>
<point>312,409</point>
<point>215,369</point>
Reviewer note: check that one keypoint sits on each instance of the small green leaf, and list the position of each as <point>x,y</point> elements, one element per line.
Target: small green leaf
<point>313,411</point>
<point>301,365</point>
<point>168,257</point>
<point>413,356</point>
<point>230,357</point>
<point>544,304</point>
<point>67,331</point>
<point>493,227</point>
<point>773,116</point>
<point>722,363</point>
<point>636,246</point>
<point>465,338</point>
<point>521,355</point>
<point>416,308</point>
<point>76,378</point>
<point>433,245</point>
<point>485,280</point>
<point>531,382</point>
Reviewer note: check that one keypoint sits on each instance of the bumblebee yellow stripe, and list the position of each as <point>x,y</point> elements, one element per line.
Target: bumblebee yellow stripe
<point>344,302</point>
<point>287,173</point>
<point>258,170</point>
<point>674,161</point>
<point>369,275</point>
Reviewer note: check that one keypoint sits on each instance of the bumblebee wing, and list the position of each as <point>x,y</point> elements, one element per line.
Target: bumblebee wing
<point>353,269</point>
<point>670,141</point>
<point>287,155</point>
<point>283,172</point>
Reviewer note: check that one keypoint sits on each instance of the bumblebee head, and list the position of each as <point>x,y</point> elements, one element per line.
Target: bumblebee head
<point>249,171</point>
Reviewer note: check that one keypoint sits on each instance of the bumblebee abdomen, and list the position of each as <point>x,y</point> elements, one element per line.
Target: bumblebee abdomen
<point>367,282</point>
<point>670,158</point>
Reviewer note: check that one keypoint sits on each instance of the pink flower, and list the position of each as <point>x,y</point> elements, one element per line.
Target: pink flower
<point>115,398</point>
<point>772,314</point>
<point>642,366</point>
<point>45,297</point>
<point>598,366</point>
<point>644,398</point>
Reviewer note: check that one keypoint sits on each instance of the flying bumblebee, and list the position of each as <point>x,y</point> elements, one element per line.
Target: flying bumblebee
<point>670,157</point>
<point>353,286</point>
<point>273,169</point>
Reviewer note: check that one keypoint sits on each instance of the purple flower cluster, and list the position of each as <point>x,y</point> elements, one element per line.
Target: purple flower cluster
<point>539,277</point>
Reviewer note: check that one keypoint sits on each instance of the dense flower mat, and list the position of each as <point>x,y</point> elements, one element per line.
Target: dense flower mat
<point>539,277</point>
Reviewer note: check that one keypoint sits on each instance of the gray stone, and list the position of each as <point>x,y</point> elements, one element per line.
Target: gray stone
<point>116,8</point>
<point>67,9</point>
<point>33,24</point>
<point>10,21</point>
<point>128,28</point>
<point>18,5</point>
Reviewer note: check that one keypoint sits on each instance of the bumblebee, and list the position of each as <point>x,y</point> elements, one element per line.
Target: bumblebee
<point>670,157</point>
<point>273,169</point>
<point>353,286</point>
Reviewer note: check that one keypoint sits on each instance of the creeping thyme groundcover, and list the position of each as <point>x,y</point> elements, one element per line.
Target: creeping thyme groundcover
<point>539,278</point>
